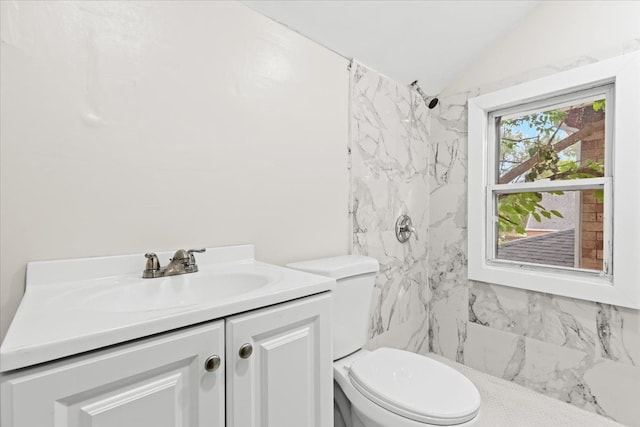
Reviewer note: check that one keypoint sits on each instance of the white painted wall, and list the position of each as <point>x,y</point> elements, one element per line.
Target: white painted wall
<point>556,31</point>
<point>128,127</point>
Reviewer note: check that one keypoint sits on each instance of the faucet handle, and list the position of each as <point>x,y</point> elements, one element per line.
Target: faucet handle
<point>192,259</point>
<point>412,229</point>
<point>152,261</point>
<point>152,265</point>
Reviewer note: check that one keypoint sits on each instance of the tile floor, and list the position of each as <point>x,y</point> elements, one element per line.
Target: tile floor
<point>506,404</point>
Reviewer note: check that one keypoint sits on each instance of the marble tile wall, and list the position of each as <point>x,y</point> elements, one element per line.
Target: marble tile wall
<point>389,177</point>
<point>584,353</point>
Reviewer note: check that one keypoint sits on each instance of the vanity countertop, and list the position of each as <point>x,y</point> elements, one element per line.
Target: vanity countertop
<point>73,306</point>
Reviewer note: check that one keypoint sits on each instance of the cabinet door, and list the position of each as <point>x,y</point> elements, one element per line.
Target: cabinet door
<point>287,381</point>
<point>156,382</point>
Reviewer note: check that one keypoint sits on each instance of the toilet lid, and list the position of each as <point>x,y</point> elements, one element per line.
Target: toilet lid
<point>415,387</point>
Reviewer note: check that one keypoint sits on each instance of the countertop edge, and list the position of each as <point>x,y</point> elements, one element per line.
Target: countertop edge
<point>25,357</point>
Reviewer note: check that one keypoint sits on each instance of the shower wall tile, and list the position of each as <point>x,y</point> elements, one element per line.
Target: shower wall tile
<point>499,307</point>
<point>559,372</point>
<point>448,163</point>
<point>581,352</point>
<point>447,272</point>
<point>451,200</point>
<point>389,127</point>
<point>619,402</point>
<point>495,352</point>
<point>562,321</point>
<point>631,334</point>
<point>618,332</point>
<point>447,323</point>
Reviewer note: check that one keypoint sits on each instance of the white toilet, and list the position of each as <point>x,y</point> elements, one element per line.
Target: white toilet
<point>385,387</point>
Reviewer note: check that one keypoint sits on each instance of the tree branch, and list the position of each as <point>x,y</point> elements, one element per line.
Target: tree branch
<point>508,220</point>
<point>583,170</point>
<point>556,132</point>
<point>557,147</point>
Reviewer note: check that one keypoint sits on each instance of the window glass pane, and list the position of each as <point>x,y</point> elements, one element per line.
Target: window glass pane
<point>563,142</point>
<point>556,228</point>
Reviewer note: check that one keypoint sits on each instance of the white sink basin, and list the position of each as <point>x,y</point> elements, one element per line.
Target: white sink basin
<point>76,305</point>
<point>131,294</point>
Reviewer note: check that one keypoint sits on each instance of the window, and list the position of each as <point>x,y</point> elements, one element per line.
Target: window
<point>551,193</point>
<point>553,184</point>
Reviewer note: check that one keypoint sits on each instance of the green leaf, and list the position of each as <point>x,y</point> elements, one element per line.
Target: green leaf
<point>536,216</point>
<point>598,105</point>
<point>546,214</point>
<point>599,195</point>
<point>521,210</point>
<point>556,213</point>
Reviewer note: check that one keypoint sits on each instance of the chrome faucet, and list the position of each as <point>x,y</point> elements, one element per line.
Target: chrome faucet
<point>183,262</point>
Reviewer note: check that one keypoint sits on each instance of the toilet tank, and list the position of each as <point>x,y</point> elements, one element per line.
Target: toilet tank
<point>355,276</point>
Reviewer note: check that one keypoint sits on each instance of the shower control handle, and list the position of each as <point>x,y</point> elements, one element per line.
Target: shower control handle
<point>405,228</point>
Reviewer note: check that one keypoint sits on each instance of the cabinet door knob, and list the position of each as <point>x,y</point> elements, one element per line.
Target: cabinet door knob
<point>246,350</point>
<point>212,363</point>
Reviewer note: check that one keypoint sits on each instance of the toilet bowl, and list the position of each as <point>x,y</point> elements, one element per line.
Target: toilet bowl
<point>417,392</point>
<point>385,387</point>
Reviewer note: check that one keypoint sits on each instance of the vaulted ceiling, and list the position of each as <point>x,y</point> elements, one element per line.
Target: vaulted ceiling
<point>429,41</point>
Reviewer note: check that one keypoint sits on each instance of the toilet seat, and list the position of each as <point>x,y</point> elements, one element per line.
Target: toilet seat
<point>415,387</point>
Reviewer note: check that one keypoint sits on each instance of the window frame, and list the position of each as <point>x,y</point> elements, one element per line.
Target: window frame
<point>493,188</point>
<point>619,284</point>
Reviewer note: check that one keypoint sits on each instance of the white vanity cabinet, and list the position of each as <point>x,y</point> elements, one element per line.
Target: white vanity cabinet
<point>156,382</point>
<point>287,379</point>
<point>165,381</point>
